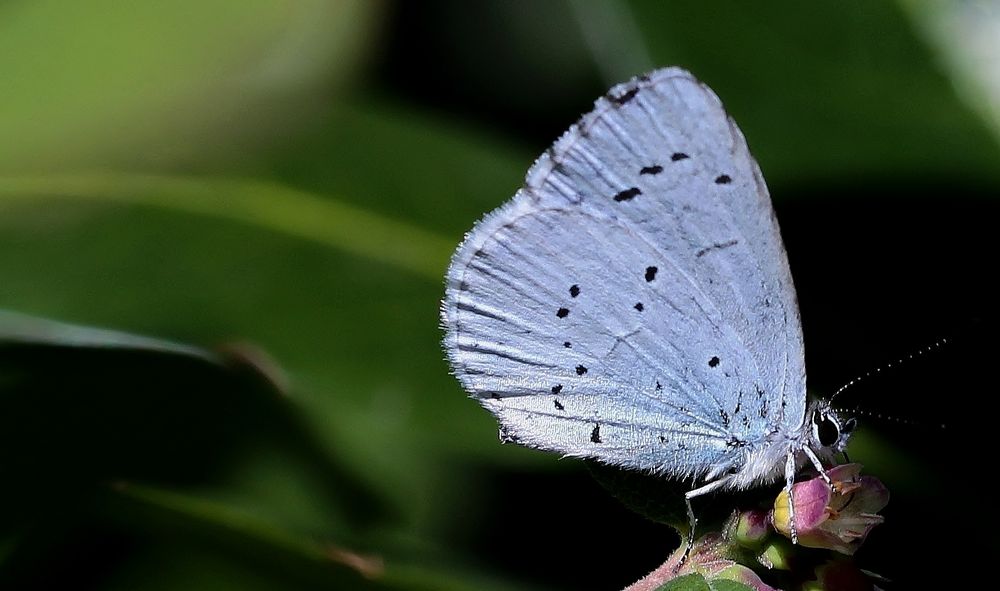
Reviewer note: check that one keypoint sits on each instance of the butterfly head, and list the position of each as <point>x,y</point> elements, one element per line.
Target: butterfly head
<point>828,431</point>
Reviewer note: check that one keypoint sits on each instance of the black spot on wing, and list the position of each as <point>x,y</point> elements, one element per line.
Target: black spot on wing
<point>567,344</point>
<point>562,312</point>
<point>676,156</point>
<point>595,435</point>
<point>624,97</point>
<point>557,388</point>
<point>723,179</point>
<point>650,273</point>
<point>654,169</point>
<point>628,194</point>
<point>580,370</point>
<point>713,362</point>
<point>506,436</point>
<point>574,290</point>
<point>559,405</point>
<point>638,306</point>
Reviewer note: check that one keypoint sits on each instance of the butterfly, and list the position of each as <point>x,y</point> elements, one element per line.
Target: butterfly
<point>633,302</point>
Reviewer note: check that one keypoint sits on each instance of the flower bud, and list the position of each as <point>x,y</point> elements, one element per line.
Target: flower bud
<point>837,519</point>
<point>749,528</point>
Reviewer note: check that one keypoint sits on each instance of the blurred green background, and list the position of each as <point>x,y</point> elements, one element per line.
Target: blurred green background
<point>282,182</point>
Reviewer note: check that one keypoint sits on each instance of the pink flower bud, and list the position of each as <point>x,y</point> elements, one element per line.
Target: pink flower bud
<point>749,528</point>
<point>837,519</point>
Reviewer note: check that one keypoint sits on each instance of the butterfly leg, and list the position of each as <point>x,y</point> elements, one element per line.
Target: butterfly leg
<point>789,482</point>
<point>819,466</point>
<point>692,520</point>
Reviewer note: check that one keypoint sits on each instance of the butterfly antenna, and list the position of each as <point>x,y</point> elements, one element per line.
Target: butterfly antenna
<point>883,417</point>
<point>932,347</point>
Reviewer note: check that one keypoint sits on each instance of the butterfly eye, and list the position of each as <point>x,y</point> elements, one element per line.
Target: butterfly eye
<point>827,431</point>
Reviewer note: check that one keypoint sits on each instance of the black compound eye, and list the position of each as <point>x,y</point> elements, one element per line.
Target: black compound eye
<point>827,431</point>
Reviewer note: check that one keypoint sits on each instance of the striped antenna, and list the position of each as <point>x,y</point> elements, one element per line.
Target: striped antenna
<point>932,347</point>
<point>884,417</point>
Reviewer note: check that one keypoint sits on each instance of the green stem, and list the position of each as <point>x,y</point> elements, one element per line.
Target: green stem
<point>217,516</point>
<point>175,509</point>
<point>264,204</point>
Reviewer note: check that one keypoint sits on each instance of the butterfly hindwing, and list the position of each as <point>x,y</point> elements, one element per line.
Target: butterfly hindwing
<point>633,302</point>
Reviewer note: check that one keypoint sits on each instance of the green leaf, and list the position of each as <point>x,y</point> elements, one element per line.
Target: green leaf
<point>724,585</point>
<point>696,582</point>
<point>662,499</point>
<point>819,94</point>
<point>101,405</point>
<point>97,82</point>
<point>405,164</point>
<point>963,35</point>
<point>654,497</point>
<point>691,582</point>
<point>269,206</point>
<point>279,557</point>
<point>334,319</point>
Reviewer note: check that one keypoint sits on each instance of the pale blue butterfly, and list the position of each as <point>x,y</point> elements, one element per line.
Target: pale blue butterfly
<point>633,302</point>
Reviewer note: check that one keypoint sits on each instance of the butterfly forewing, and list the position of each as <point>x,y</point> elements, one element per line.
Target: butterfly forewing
<point>633,302</point>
